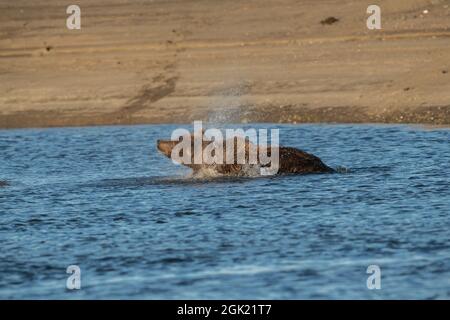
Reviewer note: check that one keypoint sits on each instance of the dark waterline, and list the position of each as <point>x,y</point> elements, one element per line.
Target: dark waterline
<point>104,199</point>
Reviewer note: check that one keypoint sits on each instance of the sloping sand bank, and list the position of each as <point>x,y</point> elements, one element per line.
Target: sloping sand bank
<point>177,61</point>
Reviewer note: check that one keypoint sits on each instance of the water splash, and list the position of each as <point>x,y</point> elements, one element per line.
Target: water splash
<point>248,170</point>
<point>341,169</point>
<point>228,106</point>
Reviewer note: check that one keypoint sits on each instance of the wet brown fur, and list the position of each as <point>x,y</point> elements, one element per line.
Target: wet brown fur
<point>291,160</point>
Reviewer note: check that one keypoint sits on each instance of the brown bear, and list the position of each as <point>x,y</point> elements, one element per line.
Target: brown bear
<point>289,160</point>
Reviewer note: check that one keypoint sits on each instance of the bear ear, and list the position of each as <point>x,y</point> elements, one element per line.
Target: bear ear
<point>184,137</point>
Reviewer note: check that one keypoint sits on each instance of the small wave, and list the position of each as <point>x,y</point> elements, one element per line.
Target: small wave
<point>375,169</point>
<point>341,169</point>
<point>122,182</point>
<point>189,179</point>
<point>3,183</point>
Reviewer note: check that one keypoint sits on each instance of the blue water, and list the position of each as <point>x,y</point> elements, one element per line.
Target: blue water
<point>104,199</point>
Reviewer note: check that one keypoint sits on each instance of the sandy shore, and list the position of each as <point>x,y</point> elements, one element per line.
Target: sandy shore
<point>225,60</point>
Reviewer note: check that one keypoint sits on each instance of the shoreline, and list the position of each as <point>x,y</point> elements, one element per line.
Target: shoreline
<point>424,126</point>
<point>432,116</point>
